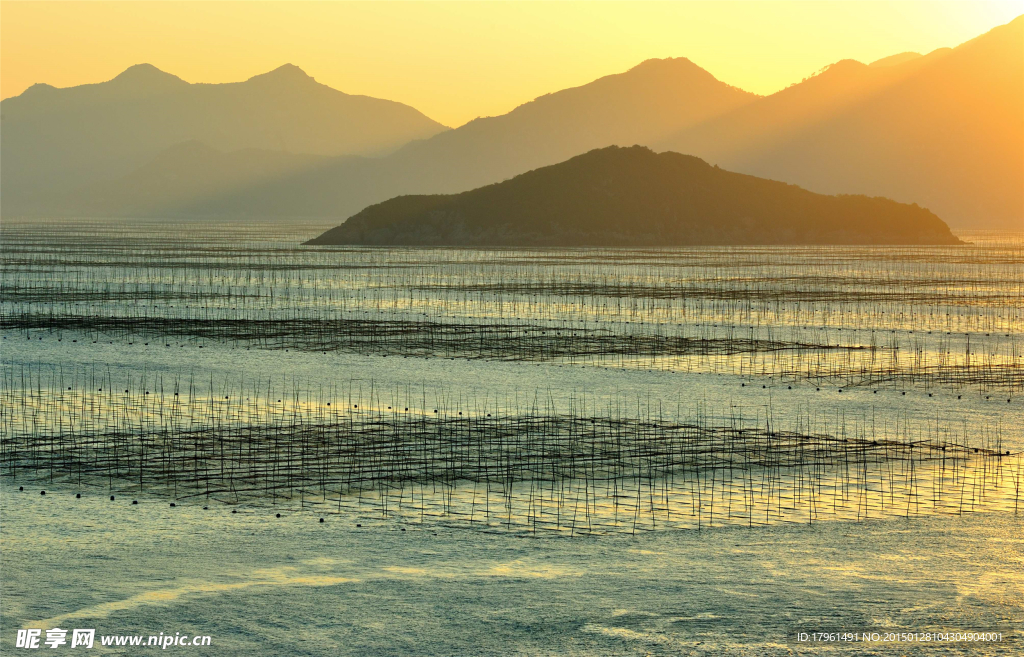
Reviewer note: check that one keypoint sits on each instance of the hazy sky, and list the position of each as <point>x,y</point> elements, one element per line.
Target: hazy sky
<point>456,61</point>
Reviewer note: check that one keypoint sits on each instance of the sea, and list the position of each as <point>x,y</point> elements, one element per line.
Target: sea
<point>208,429</point>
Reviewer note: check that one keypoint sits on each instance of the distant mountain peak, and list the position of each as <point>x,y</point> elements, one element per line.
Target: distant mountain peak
<point>147,74</point>
<point>38,88</point>
<point>673,71</point>
<point>667,65</point>
<point>288,73</point>
<point>665,61</point>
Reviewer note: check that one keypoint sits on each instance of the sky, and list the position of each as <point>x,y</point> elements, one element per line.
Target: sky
<point>458,61</point>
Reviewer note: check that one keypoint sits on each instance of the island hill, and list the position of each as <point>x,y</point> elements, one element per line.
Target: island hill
<point>635,197</point>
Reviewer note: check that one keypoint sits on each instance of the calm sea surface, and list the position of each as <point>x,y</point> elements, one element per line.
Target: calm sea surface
<point>805,439</point>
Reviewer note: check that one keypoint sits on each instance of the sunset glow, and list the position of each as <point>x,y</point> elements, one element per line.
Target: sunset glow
<point>456,61</point>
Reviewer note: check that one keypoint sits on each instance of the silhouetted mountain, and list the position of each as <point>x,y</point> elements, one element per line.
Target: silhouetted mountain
<point>56,140</point>
<point>945,130</point>
<point>642,105</point>
<point>633,196</point>
<point>777,118</point>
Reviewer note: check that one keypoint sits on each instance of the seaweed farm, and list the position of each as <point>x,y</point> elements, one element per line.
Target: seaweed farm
<point>902,317</point>
<point>574,392</point>
<point>588,470</point>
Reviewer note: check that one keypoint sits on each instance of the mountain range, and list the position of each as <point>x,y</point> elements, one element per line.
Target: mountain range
<point>633,196</point>
<point>54,141</point>
<point>944,130</point>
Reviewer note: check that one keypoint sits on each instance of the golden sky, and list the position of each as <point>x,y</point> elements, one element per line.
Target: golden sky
<point>456,61</point>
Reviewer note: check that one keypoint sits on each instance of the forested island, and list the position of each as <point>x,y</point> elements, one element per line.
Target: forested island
<point>633,196</point>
